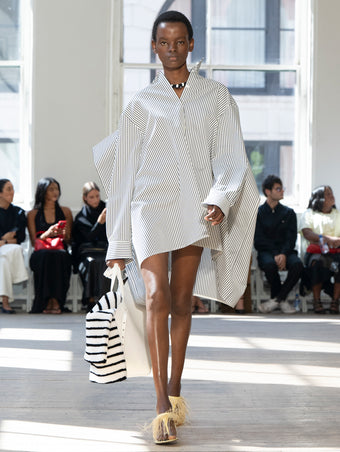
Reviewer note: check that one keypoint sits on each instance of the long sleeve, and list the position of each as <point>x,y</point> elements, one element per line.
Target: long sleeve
<point>116,159</point>
<point>289,241</point>
<point>13,219</point>
<point>20,227</point>
<point>229,161</point>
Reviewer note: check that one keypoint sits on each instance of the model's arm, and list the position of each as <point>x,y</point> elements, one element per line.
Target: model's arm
<point>229,162</point>
<point>121,155</point>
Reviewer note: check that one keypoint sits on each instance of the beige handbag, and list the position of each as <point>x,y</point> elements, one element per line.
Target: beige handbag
<point>116,341</point>
<point>131,323</point>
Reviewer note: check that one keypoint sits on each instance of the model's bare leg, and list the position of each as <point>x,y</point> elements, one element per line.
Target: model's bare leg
<point>156,280</point>
<point>185,263</point>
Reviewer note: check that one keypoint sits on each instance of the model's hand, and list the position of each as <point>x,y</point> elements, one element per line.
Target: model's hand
<point>111,262</point>
<point>215,215</point>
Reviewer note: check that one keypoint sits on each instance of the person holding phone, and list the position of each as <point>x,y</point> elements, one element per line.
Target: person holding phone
<point>51,267</point>
<point>89,245</point>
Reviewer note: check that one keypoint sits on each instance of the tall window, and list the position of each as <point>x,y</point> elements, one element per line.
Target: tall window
<point>14,123</point>
<point>255,48</point>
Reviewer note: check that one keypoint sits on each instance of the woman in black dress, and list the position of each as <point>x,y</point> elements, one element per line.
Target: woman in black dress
<point>51,267</point>
<point>90,244</point>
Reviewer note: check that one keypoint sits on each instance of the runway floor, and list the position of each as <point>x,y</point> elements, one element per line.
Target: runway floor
<point>256,383</point>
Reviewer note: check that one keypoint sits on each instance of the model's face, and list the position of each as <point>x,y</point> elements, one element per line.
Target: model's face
<point>7,193</point>
<point>92,198</point>
<point>172,44</point>
<point>276,193</point>
<point>52,192</point>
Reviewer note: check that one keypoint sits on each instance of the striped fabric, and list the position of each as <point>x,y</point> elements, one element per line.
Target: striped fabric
<point>169,159</point>
<point>104,350</point>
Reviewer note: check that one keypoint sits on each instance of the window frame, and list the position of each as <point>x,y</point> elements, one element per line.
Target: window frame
<point>24,65</point>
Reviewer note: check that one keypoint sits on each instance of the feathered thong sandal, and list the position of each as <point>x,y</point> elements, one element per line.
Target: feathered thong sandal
<point>162,430</point>
<point>179,408</point>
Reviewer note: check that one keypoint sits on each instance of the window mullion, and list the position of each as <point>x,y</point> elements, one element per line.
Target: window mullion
<point>115,65</point>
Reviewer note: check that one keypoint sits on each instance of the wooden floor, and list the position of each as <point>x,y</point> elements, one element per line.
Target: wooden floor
<point>254,383</point>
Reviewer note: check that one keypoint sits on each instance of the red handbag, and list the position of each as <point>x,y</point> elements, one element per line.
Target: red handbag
<point>313,248</point>
<point>50,243</point>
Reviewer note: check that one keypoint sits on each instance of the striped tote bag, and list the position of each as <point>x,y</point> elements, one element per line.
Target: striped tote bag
<point>116,341</point>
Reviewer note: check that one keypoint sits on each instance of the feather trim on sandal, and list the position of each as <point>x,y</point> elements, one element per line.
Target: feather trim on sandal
<point>161,428</point>
<point>179,408</point>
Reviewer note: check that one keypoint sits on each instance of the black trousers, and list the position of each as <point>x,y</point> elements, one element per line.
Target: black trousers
<point>278,289</point>
<point>91,268</point>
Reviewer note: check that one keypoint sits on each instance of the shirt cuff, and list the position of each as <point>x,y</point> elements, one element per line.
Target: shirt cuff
<point>217,198</point>
<point>119,250</point>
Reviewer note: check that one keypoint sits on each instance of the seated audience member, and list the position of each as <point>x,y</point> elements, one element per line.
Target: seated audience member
<point>197,306</point>
<point>89,245</point>
<point>275,237</point>
<point>320,226</point>
<point>51,267</point>
<point>12,233</point>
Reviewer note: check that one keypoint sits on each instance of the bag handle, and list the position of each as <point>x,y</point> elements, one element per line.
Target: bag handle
<point>115,273</point>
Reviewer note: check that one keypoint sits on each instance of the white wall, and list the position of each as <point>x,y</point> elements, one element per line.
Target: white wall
<point>70,56</point>
<point>70,98</point>
<point>326,116</point>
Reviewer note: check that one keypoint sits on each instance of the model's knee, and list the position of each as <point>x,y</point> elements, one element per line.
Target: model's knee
<point>157,301</point>
<point>181,304</point>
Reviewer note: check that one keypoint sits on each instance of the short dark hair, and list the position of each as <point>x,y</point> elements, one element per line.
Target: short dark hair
<point>269,182</point>
<point>40,192</point>
<point>172,16</point>
<point>3,182</point>
<point>317,198</point>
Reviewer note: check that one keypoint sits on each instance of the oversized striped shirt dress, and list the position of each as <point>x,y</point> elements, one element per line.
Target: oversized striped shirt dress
<point>168,160</point>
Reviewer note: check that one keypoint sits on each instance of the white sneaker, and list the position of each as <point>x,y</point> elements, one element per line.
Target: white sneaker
<point>287,308</point>
<point>268,306</point>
